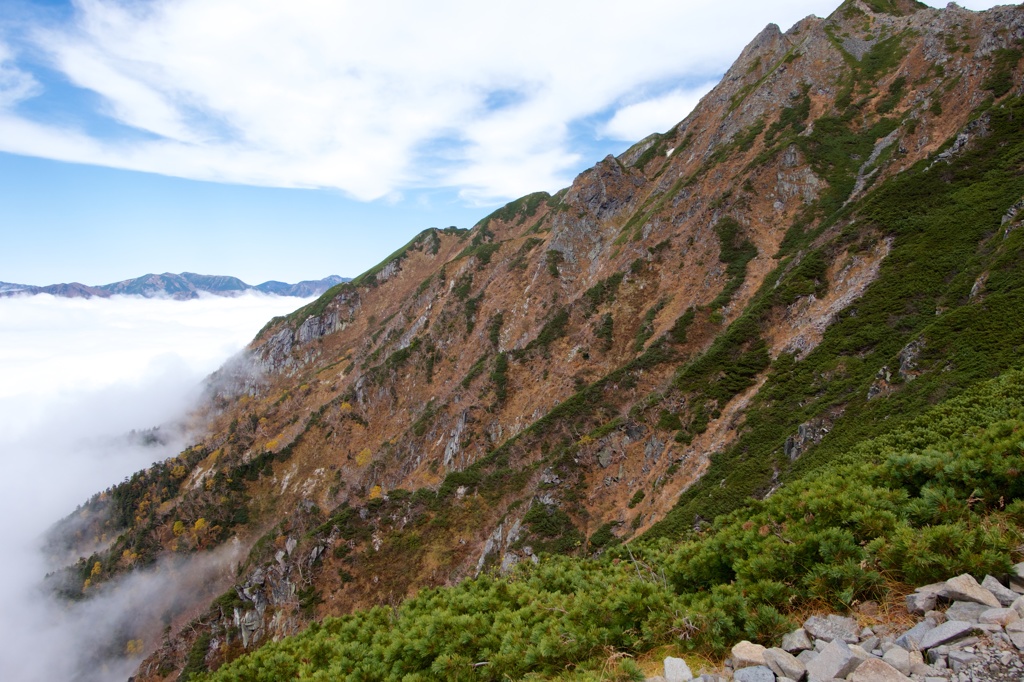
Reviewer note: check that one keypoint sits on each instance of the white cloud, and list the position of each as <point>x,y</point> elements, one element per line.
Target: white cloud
<point>15,85</point>
<point>355,96</point>
<point>77,375</point>
<point>359,96</point>
<point>636,121</point>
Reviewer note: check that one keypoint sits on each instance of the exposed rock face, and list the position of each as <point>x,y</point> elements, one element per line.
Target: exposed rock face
<point>535,384</point>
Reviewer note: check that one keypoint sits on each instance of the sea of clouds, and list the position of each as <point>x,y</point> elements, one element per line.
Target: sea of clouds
<point>77,375</point>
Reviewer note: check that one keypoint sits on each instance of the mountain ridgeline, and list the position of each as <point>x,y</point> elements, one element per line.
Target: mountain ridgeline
<point>748,366</point>
<point>183,286</point>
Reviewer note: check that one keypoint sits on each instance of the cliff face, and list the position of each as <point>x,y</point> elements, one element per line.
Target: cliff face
<point>663,340</point>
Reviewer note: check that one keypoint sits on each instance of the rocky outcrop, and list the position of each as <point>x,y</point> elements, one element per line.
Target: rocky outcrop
<point>987,646</point>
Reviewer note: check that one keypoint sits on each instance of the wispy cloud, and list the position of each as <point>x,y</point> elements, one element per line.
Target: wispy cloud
<point>635,121</point>
<point>372,98</point>
<point>77,376</point>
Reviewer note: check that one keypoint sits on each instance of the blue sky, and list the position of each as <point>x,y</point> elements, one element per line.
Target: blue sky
<point>289,141</point>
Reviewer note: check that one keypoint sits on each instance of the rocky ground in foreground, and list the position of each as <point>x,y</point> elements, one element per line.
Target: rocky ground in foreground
<point>965,632</point>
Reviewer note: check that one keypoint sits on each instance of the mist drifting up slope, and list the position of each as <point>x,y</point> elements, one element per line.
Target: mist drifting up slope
<point>78,376</point>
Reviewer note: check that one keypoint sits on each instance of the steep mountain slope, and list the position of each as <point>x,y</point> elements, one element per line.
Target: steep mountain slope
<point>186,285</point>
<point>823,249</point>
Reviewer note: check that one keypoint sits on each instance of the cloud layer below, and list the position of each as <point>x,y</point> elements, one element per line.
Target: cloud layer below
<point>78,375</point>
<point>368,98</point>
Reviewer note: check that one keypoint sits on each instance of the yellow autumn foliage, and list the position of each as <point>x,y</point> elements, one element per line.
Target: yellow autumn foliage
<point>363,458</point>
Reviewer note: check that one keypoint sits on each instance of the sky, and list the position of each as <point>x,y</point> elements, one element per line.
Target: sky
<point>293,140</point>
<point>77,376</point>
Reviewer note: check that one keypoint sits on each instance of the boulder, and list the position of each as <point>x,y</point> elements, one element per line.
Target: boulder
<point>874,670</point>
<point>966,588</point>
<point>1005,595</point>
<point>747,654</point>
<point>836,660</point>
<point>797,641</point>
<point>785,664</point>
<point>917,664</point>
<point>757,673</point>
<point>950,631</point>
<point>859,651</point>
<point>911,639</point>
<point>1018,606</point>
<point>832,627</point>
<point>920,603</point>
<point>1000,617</point>
<point>934,588</point>
<point>1015,633</point>
<point>899,658</point>
<point>676,670</point>
<point>966,610</point>
<point>958,660</point>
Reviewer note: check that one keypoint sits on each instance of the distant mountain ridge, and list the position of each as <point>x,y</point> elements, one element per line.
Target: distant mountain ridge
<point>183,286</point>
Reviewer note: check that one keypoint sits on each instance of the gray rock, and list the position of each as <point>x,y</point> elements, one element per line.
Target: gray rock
<point>911,639</point>
<point>917,664</point>
<point>1005,595</point>
<point>958,660</point>
<point>836,660</point>
<point>1015,633</point>
<point>676,670</point>
<point>934,588</point>
<point>871,643</point>
<point>797,641</point>
<point>832,627</point>
<point>1018,606</point>
<point>937,654</point>
<point>1000,617</point>
<point>806,657</point>
<point>966,588</point>
<point>950,631</point>
<point>785,664</point>
<point>875,670</point>
<point>919,603</point>
<point>757,673</point>
<point>747,654</point>
<point>859,651</point>
<point>899,658</point>
<point>966,611</point>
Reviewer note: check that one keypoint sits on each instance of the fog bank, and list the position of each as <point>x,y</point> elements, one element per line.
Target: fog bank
<point>75,376</point>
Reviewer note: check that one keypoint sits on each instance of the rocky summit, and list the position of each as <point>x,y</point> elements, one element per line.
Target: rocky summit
<point>761,365</point>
